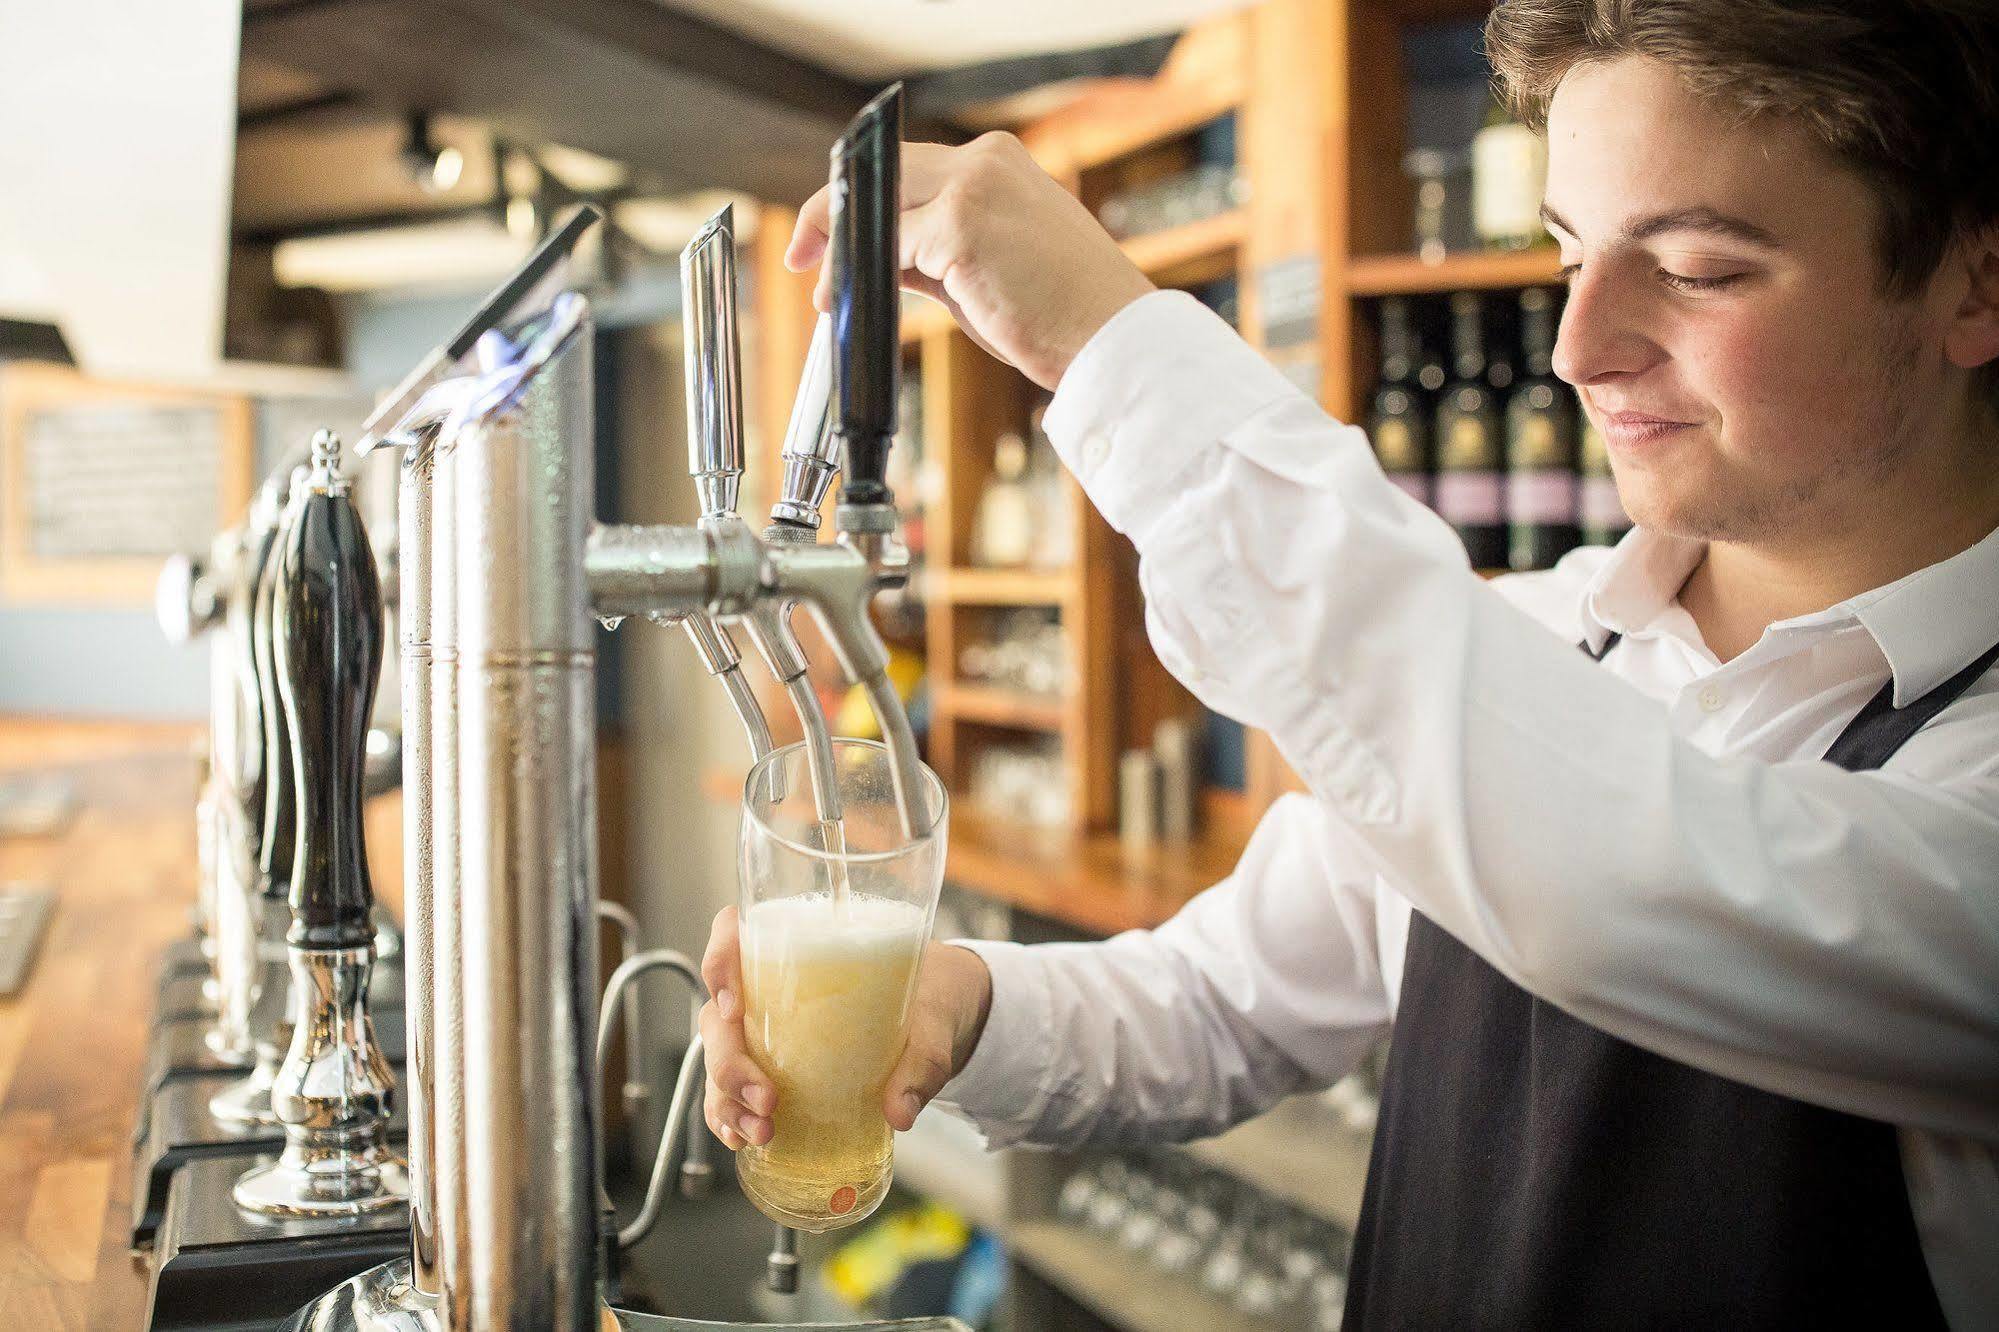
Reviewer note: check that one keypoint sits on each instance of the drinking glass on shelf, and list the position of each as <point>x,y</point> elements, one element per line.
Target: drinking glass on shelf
<point>834,915</point>
<point>1141,1218</point>
<point>1107,1209</point>
<point>1443,201</point>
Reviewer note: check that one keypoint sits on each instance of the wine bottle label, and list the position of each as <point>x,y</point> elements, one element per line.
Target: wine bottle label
<point>1595,452</point>
<point>1468,443</point>
<point>1471,499</point>
<point>1600,505</point>
<point>1535,443</point>
<point>1542,496</point>
<point>1416,485</point>
<point>1397,446</point>
<point>1509,172</point>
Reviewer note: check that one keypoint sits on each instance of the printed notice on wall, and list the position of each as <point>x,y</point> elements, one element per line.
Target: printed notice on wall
<point>115,480</point>
<point>100,481</point>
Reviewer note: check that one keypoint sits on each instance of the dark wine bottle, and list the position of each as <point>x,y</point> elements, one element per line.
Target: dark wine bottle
<point>1540,445</point>
<point>1470,443</point>
<point>1399,419</point>
<point>1603,518</point>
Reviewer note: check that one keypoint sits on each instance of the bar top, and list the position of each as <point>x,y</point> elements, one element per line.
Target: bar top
<point>73,1040</point>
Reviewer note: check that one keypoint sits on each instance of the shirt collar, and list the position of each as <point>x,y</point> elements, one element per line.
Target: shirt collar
<point>1928,624</point>
<point>1639,581</point>
<point>1931,623</point>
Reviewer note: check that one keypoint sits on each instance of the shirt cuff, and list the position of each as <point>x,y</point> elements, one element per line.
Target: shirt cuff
<point>1003,1087</point>
<point>1155,388</point>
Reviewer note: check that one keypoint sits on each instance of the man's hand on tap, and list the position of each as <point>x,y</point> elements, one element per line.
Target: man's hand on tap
<point>1021,264</point>
<point>946,1014</point>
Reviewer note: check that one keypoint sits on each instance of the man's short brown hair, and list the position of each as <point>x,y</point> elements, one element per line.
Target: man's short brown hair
<point>1903,92</point>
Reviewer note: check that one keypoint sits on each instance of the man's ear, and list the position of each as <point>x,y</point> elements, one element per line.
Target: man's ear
<point>1972,338</point>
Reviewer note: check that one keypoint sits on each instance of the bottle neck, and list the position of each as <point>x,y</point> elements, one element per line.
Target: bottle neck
<point>1537,341</point>
<point>1468,348</point>
<point>1398,359</point>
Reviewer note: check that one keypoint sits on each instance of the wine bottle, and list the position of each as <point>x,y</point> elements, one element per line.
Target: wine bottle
<point>1399,418</point>
<point>1540,445</point>
<point>1602,512</point>
<point>1509,172</point>
<point>1470,445</point>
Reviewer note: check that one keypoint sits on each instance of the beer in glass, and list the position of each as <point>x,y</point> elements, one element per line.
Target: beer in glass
<point>834,917</point>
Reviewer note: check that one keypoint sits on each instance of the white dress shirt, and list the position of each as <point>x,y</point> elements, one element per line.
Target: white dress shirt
<point>1649,843</point>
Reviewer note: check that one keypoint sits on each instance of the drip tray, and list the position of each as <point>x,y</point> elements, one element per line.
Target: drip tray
<point>221,1267</point>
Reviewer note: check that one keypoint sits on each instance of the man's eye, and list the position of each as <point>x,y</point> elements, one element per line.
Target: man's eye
<point>1568,274</point>
<point>1681,282</point>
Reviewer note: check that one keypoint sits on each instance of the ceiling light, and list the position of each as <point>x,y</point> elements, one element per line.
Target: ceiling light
<point>523,218</point>
<point>436,167</point>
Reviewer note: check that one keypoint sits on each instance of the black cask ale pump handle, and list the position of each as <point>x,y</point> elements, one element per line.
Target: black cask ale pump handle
<point>328,645</point>
<point>261,545</point>
<point>275,852</point>
<point>334,1091</point>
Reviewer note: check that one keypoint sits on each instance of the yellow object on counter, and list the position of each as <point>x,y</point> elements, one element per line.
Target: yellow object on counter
<point>856,718</point>
<point>867,1265</point>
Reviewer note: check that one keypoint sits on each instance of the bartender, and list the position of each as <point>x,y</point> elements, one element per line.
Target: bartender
<point>1675,868</point>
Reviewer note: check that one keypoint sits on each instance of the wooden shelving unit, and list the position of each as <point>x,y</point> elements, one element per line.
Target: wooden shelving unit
<point>1408,274</point>
<point>1190,255</point>
<point>1001,587</point>
<point>998,707</point>
<point>1315,87</point>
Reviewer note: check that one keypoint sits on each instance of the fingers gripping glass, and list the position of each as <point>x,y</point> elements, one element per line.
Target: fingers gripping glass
<point>834,916</point>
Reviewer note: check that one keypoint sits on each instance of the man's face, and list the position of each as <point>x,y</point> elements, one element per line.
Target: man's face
<point>1726,324</point>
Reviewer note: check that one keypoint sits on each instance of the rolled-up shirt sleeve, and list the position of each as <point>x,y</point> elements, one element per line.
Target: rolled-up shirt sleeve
<point>1828,935</point>
<point>1265,984</point>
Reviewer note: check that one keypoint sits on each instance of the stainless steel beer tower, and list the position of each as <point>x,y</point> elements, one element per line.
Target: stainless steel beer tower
<point>517,570</point>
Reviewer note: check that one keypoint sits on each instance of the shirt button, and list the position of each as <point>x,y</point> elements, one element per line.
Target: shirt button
<point>1710,699</point>
<point>1095,450</point>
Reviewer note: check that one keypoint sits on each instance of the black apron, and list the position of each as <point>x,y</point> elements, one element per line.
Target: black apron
<point>1531,1171</point>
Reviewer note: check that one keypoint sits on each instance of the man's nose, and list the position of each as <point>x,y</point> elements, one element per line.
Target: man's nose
<point>1602,331</point>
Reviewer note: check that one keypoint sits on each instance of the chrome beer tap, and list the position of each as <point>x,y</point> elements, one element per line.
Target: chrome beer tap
<point>715,438</point>
<point>333,1091</point>
<point>531,570</point>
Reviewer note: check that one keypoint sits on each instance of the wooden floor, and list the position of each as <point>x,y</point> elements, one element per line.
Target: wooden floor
<point>73,1040</point>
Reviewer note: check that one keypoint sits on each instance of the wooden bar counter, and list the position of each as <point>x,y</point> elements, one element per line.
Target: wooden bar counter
<point>73,1040</point>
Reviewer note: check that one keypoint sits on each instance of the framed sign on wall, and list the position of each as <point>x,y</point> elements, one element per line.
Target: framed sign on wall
<point>100,481</point>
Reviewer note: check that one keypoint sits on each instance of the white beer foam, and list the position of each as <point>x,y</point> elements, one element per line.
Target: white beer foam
<point>810,927</point>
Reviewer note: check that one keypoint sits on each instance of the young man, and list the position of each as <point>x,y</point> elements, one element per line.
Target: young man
<point>1697,1010</point>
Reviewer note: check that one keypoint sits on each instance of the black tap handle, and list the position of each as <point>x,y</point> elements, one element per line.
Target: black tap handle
<point>277,842</point>
<point>867,294</point>
<point>329,657</point>
<point>262,550</point>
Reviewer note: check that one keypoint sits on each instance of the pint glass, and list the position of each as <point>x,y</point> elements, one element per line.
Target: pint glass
<point>834,915</point>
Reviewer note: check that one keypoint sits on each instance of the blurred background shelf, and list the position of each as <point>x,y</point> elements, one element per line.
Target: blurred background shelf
<point>1003,587</point>
<point>1192,254</point>
<point>1409,274</point>
<point>1122,1287</point>
<point>997,707</point>
<point>1301,1151</point>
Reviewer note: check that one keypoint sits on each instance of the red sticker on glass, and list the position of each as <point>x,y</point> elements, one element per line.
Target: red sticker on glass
<point>843,1200</point>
